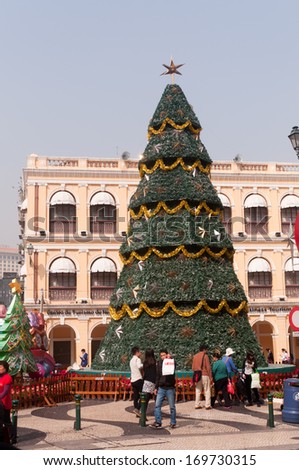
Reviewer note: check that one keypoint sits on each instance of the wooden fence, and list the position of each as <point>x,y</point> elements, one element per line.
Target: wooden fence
<point>104,387</point>
<point>62,388</point>
<point>43,391</point>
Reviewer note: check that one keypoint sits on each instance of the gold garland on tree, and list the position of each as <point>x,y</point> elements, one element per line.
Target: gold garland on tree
<point>162,205</point>
<point>179,161</point>
<point>152,130</point>
<point>229,253</point>
<point>157,313</point>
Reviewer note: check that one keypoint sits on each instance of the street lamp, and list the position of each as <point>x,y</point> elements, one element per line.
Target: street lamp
<point>294,138</point>
<point>30,250</point>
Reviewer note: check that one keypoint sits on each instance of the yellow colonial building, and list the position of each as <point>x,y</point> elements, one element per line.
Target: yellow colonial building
<point>74,216</point>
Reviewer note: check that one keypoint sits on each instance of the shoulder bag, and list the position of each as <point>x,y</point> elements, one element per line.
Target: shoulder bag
<point>197,374</point>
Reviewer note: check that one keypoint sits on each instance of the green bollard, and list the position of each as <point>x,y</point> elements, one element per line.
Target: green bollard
<point>14,421</point>
<point>270,422</point>
<point>77,423</point>
<point>142,420</point>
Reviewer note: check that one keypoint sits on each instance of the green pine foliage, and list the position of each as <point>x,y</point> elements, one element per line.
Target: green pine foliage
<point>171,145</point>
<point>174,105</point>
<point>181,185</point>
<point>177,279</point>
<point>16,340</point>
<point>166,230</point>
<point>177,288</point>
<point>181,336</point>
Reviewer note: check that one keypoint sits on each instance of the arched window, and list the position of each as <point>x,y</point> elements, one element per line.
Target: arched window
<point>259,279</point>
<point>102,214</point>
<point>264,333</point>
<point>63,213</point>
<point>227,213</point>
<point>62,280</point>
<point>256,215</point>
<point>291,269</point>
<point>289,208</point>
<point>103,279</point>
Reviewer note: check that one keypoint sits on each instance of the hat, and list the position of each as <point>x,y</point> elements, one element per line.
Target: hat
<point>229,351</point>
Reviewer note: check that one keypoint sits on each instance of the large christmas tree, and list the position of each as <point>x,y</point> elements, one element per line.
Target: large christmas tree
<point>177,288</point>
<point>15,336</point>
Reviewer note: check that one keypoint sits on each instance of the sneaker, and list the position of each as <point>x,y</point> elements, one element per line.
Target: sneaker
<point>137,413</point>
<point>198,407</point>
<point>208,407</point>
<point>173,426</point>
<point>155,425</point>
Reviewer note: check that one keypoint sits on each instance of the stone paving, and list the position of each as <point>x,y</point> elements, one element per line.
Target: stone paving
<point>111,425</point>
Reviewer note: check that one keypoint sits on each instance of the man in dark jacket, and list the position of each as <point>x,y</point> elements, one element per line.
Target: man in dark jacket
<point>165,387</point>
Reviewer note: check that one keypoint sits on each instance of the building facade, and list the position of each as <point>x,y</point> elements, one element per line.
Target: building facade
<point>74,216</point>
<point>9,260</point>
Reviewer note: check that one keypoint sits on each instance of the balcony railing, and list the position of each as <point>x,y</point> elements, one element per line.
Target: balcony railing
<point>66,227</point>
<point>260,292</point>
<point>62,293</point>
<point>252,228</point>
<point>292,291</point>
<point>101,293</point>
<point>103,228</point>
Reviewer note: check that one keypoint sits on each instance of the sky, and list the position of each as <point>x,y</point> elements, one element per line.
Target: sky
<point>83,78</point>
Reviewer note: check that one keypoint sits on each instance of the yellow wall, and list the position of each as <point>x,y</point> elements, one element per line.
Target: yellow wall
<point>84,177</point>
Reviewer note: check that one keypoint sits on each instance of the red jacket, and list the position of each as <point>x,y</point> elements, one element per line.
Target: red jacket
<point>6,385</point>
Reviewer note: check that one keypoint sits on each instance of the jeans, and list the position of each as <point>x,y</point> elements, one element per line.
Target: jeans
<point>169,393</point>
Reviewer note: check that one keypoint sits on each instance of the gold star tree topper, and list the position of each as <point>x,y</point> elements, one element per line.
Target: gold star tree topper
<point>172,69</point>
<point>15,287</point>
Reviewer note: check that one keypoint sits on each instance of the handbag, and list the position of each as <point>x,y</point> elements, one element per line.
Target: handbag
<point>197,374</point>
<point>230,387</point>
<point>255,380</point>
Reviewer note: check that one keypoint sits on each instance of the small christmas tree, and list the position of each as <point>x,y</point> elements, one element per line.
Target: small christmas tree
<point>15,337</point>
<point>177,288</point>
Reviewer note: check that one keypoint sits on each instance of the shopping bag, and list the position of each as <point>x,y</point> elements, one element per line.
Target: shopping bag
<point>230,387</point>
<point>255,380</point>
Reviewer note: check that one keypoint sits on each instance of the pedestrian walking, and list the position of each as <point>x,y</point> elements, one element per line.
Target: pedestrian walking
<point>270,358</point>
<point>5,402</point>
<point>250,367</point>
<point>149,375</point>
<point>201,363</point>
<point>165,388</point>
<point>230,365</point>
<point>285,358</point>
<point>220,377</point>
<point>84,358</point>
<point>136,378</point>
